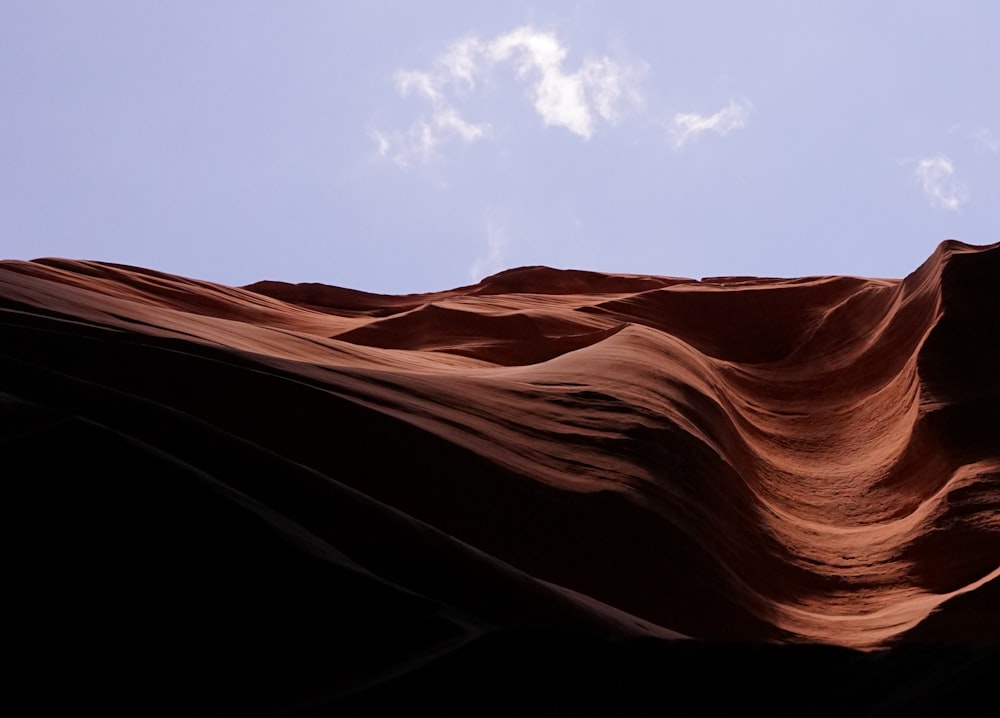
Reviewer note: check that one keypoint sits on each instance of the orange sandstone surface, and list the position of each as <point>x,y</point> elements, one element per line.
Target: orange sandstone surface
<point>738,460</point>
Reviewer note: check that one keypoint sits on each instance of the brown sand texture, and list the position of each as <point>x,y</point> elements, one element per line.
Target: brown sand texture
<point>736,459</point>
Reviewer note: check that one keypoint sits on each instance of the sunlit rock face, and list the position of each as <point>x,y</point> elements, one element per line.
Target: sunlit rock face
<point>549,459</point>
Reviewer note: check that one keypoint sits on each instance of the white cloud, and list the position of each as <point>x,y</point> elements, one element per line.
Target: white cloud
<point>688,125</point>
<point>609,84</point>
<point>573,100</point>
<point>442,123</point>
<point>417,143</point>
<point>496,248</point>
<point>408,81</point>
<point>382,141</point>
<point>449,120</point>
<point>598,91</point>
<point>984,138</point>
<point>461,62</point>
<point>937,177</point>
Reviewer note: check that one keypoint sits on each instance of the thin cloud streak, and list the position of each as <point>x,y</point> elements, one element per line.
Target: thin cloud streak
<point>688,126</point>
<point>985,138</point>
<point>496,249</point>
<point>937,177</point>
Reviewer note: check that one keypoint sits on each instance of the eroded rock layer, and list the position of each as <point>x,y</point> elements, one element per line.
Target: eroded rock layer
<point>793,460</point>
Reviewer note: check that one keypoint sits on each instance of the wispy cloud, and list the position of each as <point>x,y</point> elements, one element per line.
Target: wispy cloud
<point>440,124</point>
<point>421,83</point>
<point>599,91</point>
<point>983,137</point>
<point>937,177</point>
<point>687,126</point>
<point>496,247</point>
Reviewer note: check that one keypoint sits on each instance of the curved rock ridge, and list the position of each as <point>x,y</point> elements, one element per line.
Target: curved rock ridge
<point>793,460</point>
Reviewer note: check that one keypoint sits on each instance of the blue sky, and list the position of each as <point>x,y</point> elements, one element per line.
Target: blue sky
<point>413,146</point>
